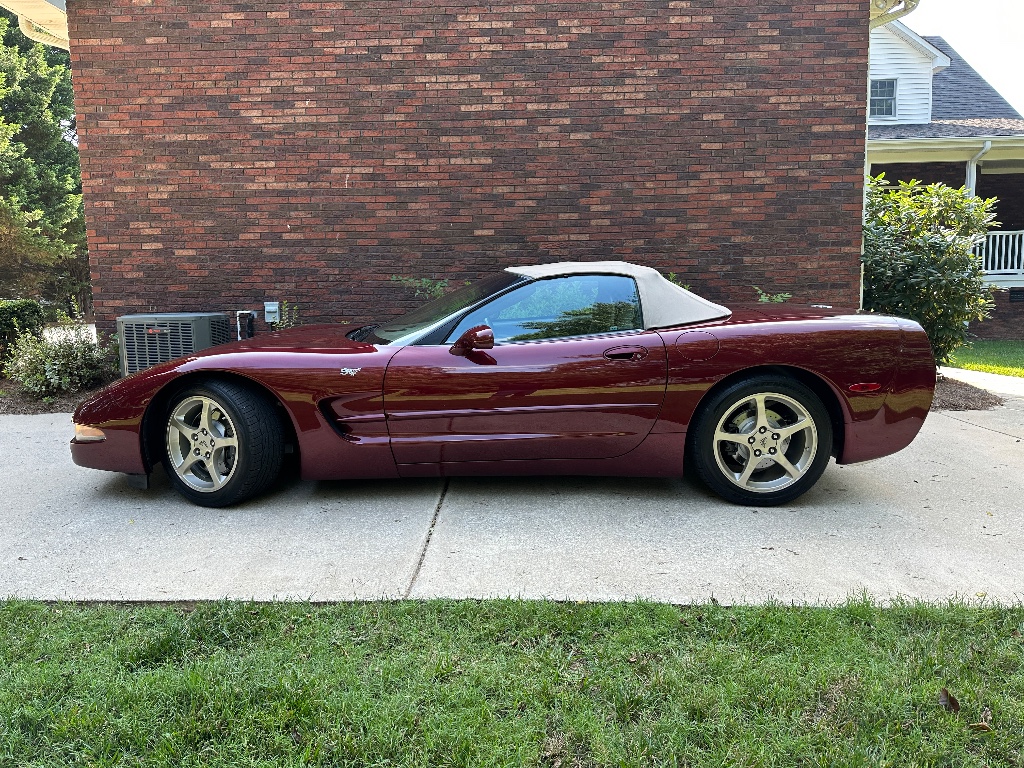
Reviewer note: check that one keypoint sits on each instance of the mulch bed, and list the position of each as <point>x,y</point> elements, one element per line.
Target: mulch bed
<point>14,401</point>
<point>953,395</point>
<point>950,395</point>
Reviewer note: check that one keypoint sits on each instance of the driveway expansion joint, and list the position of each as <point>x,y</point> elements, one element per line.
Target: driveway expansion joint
<point>426,543</point>
<point>980,426</point>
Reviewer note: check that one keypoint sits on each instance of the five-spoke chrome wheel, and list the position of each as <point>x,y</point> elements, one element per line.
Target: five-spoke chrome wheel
<point>765,442</point>
<point>202,443</point>
<point>762,441</point>
<point>223,442</point>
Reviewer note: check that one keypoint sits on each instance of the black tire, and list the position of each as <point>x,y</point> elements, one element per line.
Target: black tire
<point>760,421</point>
<point>197,432</point>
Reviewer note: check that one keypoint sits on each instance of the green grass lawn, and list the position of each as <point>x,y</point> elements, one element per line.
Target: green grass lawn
<point>505,683</point>
<point>1005,357</point>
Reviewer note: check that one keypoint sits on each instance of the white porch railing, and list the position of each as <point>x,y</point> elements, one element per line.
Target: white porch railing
<point>1002,258</point>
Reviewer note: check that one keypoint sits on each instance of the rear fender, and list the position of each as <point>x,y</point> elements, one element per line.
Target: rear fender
<point>835,353</point>
<point>907,403</point>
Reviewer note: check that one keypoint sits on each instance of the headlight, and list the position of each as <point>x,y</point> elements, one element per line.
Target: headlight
<point>84,434</point>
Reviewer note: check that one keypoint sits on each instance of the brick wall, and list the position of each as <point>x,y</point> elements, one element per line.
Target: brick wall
<point>1009,188</point>
<point>1007,320</point>
<point>951,174</point>
<point>236,152</point>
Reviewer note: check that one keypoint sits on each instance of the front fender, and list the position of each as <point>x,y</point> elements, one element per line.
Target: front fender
<point>119,411</point>
<point>338,420</point>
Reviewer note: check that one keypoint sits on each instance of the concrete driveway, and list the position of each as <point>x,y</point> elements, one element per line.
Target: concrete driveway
<point>944,517</point>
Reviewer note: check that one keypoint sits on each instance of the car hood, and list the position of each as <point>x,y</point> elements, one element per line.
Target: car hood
<point>277,349</point>
<point>305,338</point>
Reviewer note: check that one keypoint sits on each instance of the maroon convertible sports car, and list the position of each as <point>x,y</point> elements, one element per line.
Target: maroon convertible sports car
<point>592,368</point>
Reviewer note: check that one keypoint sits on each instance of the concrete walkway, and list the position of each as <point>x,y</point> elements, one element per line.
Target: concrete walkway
<point>942,518</point>
<point>1007,386</point>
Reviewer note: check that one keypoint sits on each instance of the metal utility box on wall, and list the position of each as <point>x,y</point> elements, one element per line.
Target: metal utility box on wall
<point>150,339</point>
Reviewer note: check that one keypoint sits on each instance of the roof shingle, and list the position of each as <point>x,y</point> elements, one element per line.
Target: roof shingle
<point>949,129</point>
<point>959,92</point>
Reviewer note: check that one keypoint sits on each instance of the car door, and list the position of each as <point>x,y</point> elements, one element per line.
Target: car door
<point>572,375</point>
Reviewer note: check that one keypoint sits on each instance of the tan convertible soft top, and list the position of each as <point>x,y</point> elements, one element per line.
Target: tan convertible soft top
<point>664,303</point>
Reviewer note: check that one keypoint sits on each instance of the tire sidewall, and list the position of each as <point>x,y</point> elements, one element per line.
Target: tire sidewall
<point>234,489</point>
<point>703,455</point>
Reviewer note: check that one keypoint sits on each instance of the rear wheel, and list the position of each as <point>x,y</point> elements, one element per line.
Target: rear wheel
<point>223,443</point>
<point>764,441</point>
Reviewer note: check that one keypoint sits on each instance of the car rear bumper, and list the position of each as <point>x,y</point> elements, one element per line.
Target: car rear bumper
<point>906,405</point>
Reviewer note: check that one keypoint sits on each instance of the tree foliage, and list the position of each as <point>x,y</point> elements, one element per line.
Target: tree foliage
<point>25,252</point>
<point>42,230</point>
<point>17,318</point>
<point>919,259</point>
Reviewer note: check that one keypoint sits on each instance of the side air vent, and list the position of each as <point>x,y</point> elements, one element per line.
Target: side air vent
<point>150,339</point>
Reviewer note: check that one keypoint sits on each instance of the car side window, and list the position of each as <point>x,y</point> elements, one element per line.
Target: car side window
<point>575,305</point>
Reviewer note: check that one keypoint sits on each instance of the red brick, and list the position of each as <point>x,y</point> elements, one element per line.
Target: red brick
<point>238,152</point>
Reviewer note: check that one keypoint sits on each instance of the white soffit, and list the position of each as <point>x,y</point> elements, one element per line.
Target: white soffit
<point>885,11</point>
<point>45,21</point>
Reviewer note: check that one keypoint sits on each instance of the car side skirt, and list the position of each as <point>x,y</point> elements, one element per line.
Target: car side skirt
<point>659,455</point>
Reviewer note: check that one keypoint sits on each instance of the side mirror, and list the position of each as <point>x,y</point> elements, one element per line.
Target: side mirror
<point>480,337</point>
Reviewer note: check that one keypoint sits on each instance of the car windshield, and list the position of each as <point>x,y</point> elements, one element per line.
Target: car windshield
<point>434,311</point>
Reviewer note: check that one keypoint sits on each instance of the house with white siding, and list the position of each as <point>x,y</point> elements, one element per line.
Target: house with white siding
<point>932,117</point>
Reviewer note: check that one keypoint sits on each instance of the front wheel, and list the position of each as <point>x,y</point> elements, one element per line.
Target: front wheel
<point>223,443</point>
<point>764,441</point>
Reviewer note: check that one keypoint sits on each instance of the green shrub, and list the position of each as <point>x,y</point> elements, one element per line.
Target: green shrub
<point>69,361</point>
<point>672,277</point>
<point>423,286</point>
<point>771,298</point>
<point>289,314</point>
<point>55,313</point>
<point>919,259</point>
<point>16,317</point>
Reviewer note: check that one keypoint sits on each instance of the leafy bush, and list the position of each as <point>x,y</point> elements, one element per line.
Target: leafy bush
<point>19,316</point>
<point>423,286</point>
<point>59,314</point>
<point>919,259</point>
<point>69,361</point>
<point>771,298</point>
<point>289,316</point>
<point>672,277</point>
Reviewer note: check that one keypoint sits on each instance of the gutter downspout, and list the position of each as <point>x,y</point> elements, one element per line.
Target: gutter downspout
<point>972,168</point>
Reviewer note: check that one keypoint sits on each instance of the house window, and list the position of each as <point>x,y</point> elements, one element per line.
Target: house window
<point>883,98</point>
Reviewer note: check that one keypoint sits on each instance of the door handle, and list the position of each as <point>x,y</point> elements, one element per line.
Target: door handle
<point>626,353</point>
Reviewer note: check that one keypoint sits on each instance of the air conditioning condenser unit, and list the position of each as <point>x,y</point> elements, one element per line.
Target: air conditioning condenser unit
<point>150,339</point>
